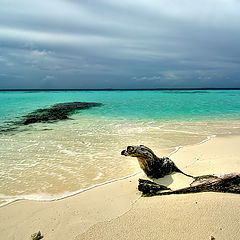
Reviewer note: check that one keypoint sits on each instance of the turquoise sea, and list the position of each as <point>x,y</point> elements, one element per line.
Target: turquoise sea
<point>51,160</point>
<point>163,105</point>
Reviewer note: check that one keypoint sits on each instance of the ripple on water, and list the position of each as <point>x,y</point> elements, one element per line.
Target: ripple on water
<point>75,156</point>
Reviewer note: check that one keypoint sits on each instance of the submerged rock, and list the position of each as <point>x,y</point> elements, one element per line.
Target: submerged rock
<point>59,111</point>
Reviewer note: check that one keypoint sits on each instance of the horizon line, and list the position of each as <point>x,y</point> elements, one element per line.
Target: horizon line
<point>112,89</point>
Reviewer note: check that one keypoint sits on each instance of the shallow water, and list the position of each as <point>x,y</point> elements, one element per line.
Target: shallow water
<point>47,160</point>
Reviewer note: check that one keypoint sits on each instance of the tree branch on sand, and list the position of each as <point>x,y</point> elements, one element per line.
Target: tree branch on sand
<point>156,167</point>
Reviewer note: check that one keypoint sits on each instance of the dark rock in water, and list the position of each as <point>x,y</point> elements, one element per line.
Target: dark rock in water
<point>59,111</point>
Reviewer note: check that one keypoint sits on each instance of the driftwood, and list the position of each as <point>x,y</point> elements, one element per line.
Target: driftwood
<point>150,188</point>
<point>156,167</point>
<point>227,183</point>
<point>153,166</point>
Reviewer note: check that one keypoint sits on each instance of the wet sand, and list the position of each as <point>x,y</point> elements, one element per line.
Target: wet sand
<point>117,211</point>
<point>49,161</point>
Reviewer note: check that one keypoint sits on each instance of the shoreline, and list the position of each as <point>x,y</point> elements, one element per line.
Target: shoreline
<point>40,199</point>
<point>115,211</point>
<point>72,193</point>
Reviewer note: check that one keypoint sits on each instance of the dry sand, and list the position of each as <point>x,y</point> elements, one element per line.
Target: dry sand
<point>116,210</point>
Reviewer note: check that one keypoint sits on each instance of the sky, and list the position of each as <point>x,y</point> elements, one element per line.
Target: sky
<point>119,44</point>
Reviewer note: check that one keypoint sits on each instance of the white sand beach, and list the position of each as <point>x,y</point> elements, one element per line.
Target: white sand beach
<point>117,210</point>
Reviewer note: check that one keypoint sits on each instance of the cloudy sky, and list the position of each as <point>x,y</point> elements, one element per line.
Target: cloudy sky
<point>119,44</point>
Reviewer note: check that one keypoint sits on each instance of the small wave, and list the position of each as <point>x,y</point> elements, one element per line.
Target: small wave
<point>207,139</point>
<point>179,131</point>
<point>35,144</point>
<point>130,130</point>
<point>41,199</point>
<point>179,147</point>
<point>176,150</point>
<point>98,176</point>
<point>45,198</point>
<point>66,151</point>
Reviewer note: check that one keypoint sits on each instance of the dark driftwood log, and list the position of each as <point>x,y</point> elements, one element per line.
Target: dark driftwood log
<point>149,187</point>
<point>153,166</point>
<point>227,183</point>
<point>156,167</point>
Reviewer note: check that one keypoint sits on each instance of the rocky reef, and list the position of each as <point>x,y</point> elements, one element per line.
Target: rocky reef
<point>56,112</point>
<point>60,111</point>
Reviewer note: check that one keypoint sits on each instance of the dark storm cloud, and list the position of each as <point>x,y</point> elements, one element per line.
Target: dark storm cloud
<point>119,44</point>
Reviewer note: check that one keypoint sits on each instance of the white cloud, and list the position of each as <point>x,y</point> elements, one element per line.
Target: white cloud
<point>6,61</point>
<point>163,77</point>
<point>48,78</point>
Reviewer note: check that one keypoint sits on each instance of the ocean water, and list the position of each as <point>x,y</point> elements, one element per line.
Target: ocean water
<point>53,160</point>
